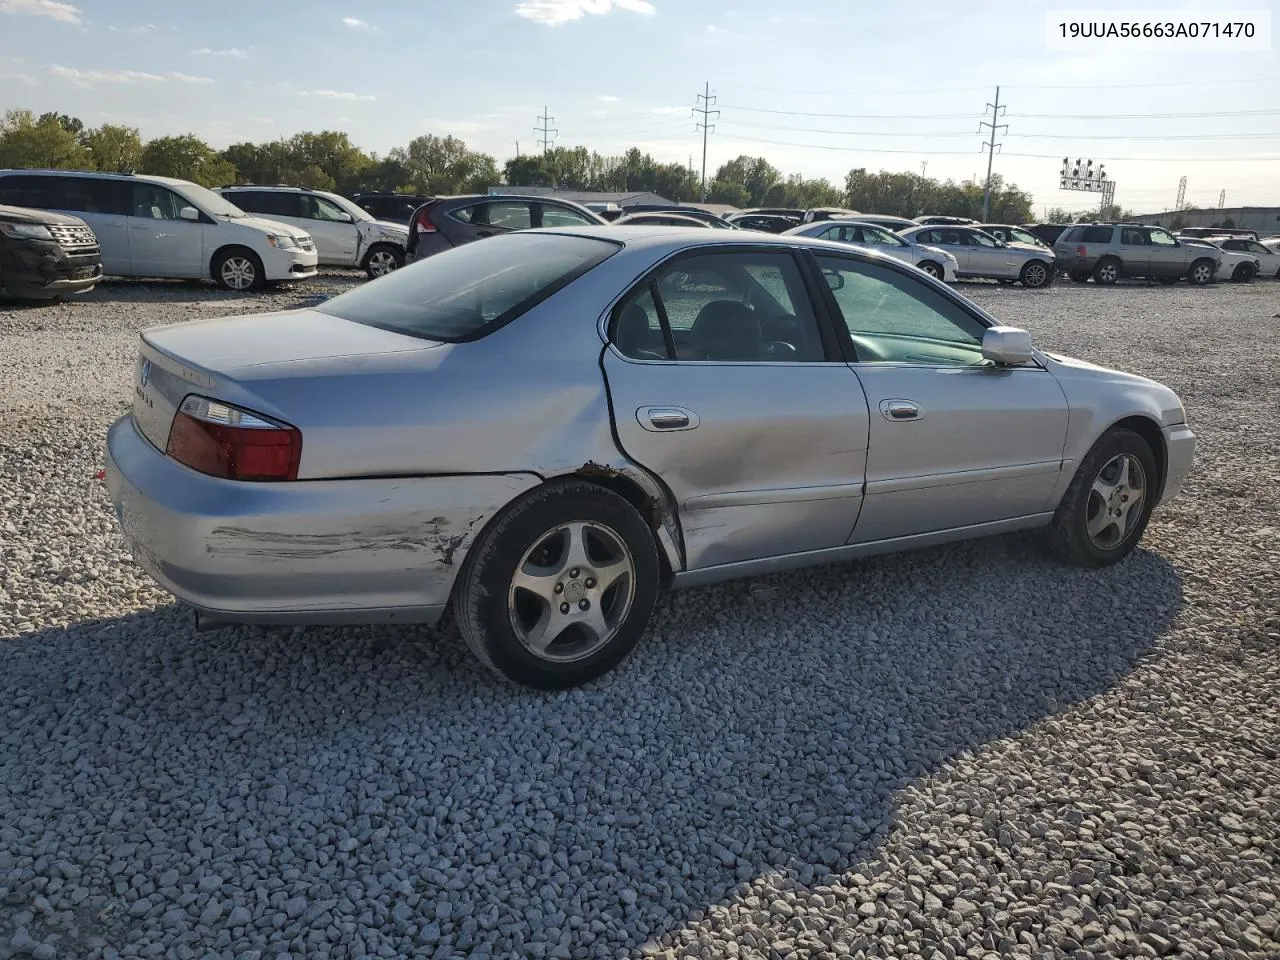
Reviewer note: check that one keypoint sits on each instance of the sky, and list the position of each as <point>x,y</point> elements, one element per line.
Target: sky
<point>818,87</point>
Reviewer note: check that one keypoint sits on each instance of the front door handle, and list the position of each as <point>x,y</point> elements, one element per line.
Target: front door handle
<point>666,419</point>
<point>897,410</point>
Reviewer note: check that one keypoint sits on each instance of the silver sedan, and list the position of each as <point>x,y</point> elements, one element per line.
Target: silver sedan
<point>983,256</point>
<point>541,431</point>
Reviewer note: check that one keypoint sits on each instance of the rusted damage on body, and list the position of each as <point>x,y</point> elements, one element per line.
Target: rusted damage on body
<point>438,536</point>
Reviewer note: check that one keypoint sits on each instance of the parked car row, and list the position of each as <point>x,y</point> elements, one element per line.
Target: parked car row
<point>62,231</point>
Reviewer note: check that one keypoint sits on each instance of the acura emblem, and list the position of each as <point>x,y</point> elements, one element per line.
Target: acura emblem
<point>145,374</point>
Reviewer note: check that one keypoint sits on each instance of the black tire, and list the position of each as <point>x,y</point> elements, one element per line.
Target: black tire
<point>1107,271</point>
<point>382,258</point>
<point>1244,273</point>
<point>1035,274</point>
<point>238,269</point>
<point>1201,272</point>
<point>932,269</point>
<point>1069,536</point>
<point>487,604</point>
<point>1079,276</point>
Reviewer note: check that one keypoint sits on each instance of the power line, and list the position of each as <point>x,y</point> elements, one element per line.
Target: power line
<point>547,140</point>
<point>1033,136</point>
<point>706,126</point>
<point>991,151</point>
<point>1144,116</point>
<point>863,116</point>
<point>870,92</point>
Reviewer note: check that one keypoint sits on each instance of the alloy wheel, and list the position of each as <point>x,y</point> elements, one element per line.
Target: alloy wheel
<point>238,273</point>
<point>1115,501</point>
<point>571,591</point>
<point>381,262</point>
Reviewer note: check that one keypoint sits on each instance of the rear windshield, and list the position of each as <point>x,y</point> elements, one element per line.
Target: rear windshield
<point>464,293</point>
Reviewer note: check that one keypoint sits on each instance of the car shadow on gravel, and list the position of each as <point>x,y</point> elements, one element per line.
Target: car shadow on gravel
<point>760,728</point>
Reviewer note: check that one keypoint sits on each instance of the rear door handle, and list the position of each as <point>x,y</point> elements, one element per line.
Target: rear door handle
<point>666,419</point>
<point>897,410</point>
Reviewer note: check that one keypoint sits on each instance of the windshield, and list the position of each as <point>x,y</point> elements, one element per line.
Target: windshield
<point>358,213</point>
<point>468,291</point>
<point>208,201</point>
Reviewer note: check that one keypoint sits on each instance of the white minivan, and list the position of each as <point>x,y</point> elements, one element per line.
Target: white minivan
<point>161,227</point>
<point>344,232</point>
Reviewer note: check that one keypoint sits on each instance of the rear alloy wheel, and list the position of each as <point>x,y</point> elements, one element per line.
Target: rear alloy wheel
<point>932,269</point>
<point>560,587</point>
<point>383,259</point>
<point>1107,272</point>
<point>1244,273</point>
<point>238,269</point>
<point>1106,507</point>
<point>1201,272</point>
<point>1034,275</point>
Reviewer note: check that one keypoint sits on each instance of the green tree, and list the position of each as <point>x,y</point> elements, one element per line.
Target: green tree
<point>72,125</point>
<point>755,173</point>
<point>45,143</point>
<point>114,149</point>
<point>187,157</point>
<point>1057,215</point>
<point>730,192</point>
<point>445,165</point>
<point>329,156</point>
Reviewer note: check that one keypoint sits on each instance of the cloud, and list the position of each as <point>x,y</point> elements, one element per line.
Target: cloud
<point>140,28</point>
<point>605,98</point>
<point>669,110</point>
<point>24,78</point>
<point>52,9</point>
<point>234,52</point>
<point>556,12</point>
<point>336,95</point>
<point>85,78</point>
<point>355,24</point>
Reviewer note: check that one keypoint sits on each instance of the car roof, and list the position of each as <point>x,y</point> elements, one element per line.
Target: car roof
<point>100,175</point>
<point>656,237</point>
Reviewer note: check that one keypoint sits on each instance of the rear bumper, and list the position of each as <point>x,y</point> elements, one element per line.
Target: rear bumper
<point>1180,446</point>
<point>306,552</point>
<point>428,244</point>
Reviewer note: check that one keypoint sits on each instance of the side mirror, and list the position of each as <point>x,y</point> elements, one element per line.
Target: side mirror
<point>189,213</point>
<point>1007,346</point>
<point>835,279</point>
<point>346,217</point>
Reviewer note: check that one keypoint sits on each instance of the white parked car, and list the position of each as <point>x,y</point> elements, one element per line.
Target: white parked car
<point>932,260</point>
<point>1237,266</point>
<point>346,235</point>
<point>1268,257</point>
<point>161,227</point>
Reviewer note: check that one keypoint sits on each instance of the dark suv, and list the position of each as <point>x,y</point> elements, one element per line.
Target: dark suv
<point>1109,251</point>
<point>45,255</point>
<point>395,207</point>
<point>445,222</point>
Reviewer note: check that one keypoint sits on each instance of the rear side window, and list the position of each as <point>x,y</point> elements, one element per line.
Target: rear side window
<point>266,202</point>
<point>25,190</point>
<point>76,194</point>
<point>469,291</point>
<point>1096,235</point>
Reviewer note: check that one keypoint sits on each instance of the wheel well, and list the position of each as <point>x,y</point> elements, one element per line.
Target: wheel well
<point>1150,431</point>
<point>381,243</point>
<point>631,491</point>
<point>223,251</point>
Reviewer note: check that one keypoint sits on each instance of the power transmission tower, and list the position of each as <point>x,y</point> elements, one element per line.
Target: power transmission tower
<point>990,146</point>
<point>1182,194</point>
<point>547,139</point>
<point>1222,198</point>
<point>706,126</point>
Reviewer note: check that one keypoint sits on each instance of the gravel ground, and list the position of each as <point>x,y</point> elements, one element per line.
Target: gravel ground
<point>963,752</point>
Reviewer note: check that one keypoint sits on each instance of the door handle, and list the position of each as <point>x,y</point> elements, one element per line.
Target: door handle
<point>666,419</point>
<point>895,410</point>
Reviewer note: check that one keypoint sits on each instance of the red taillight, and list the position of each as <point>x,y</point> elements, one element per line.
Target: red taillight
<point>225,441</point>
<point>423,221</point>
<point>1081,251</point>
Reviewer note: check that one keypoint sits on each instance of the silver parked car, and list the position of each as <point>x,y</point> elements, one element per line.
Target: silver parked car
<point>932,260</point>
<point>982,255</point>
<point>541,431</point>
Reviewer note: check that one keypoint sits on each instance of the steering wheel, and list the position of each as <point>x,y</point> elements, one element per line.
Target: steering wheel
<point>780,350</point>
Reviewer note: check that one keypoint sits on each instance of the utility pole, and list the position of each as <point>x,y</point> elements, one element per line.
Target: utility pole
<point>706,126</point>
<point>547,139</point>
<point>517,149</point>
<point>924,165</point>
<point>1222,198</point>
<point>990,146</point>
<point>1182,194</point>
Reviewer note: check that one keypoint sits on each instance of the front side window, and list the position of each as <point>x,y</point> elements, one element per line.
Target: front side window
<point>894,318</point>
<point>1022,236</point>
<point>319,208</point>
<point>973,237</point>
<point>1162,239</point>
<point>880,237</point>
<point>470,290</point>
<point>748,307</point>
<point>154,202</point>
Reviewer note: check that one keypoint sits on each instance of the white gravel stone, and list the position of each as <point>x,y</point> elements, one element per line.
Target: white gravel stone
<point>962,752</point>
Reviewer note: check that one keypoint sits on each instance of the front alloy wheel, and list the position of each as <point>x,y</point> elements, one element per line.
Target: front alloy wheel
<point>1116,500</point>
<point>238,272</point>
<point>381,262</point>
<point>932,269</point>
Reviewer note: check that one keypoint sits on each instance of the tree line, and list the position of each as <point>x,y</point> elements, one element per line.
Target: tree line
<point>328,160</point>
